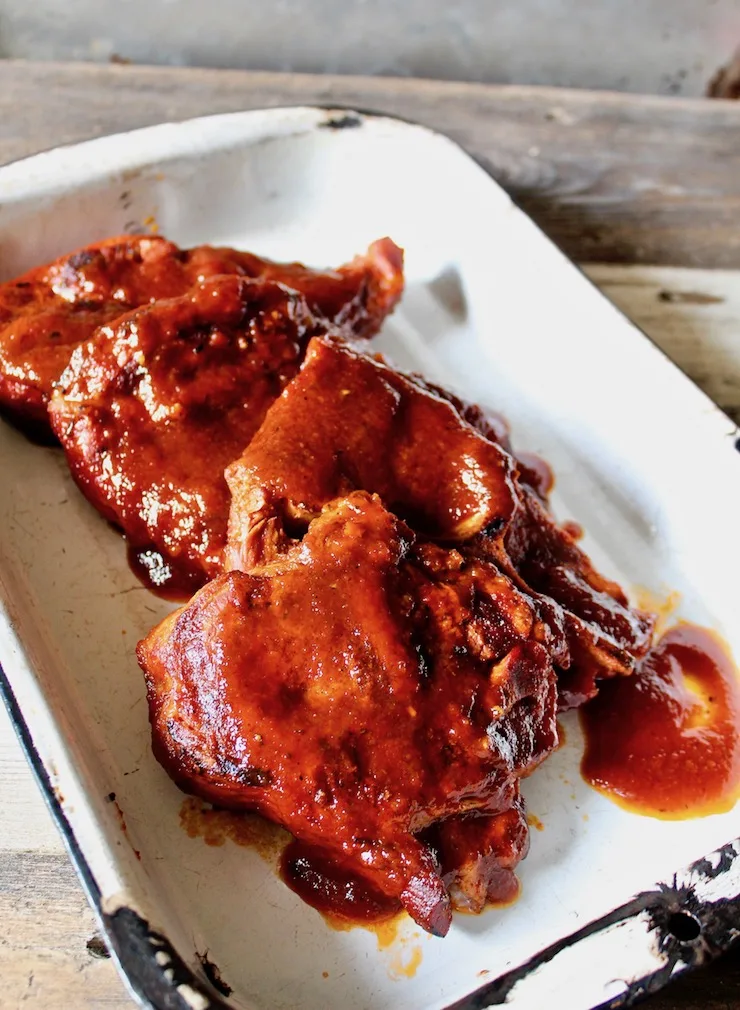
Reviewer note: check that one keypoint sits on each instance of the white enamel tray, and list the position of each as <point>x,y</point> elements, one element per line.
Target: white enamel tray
<point>610,901</point>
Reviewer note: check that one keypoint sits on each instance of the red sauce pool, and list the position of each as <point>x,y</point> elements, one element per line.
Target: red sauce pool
<point>666,741</point>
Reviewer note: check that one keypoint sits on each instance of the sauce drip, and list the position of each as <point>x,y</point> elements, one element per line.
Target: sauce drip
<point>666,741</point>
<point>200,820</point>
<point>343,898</point>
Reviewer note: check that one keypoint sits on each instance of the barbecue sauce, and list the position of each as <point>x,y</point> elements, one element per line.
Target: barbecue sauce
<point>665,741</point>
<point>343,898</point>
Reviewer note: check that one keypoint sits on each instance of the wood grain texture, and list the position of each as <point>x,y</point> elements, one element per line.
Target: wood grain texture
<point>693,315</point>
<point>45,926</point>
<point>610,177</point>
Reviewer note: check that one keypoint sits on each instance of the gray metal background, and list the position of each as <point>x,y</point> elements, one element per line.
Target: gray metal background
<point>658,46</point>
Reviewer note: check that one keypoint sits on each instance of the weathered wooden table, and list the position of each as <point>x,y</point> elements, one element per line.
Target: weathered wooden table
<point>645,192</point>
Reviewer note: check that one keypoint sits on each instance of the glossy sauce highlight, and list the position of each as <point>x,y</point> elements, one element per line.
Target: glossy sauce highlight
<point>344,899</point>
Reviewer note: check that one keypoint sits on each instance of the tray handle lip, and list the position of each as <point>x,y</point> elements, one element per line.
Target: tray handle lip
<point>148,963</point>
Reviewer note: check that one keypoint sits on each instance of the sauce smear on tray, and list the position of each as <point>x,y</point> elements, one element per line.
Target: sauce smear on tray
<point>666,741</point>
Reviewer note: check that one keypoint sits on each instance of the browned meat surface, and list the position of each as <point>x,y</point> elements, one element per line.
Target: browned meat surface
<point>153,408</point>
<point>603,634</point>
<point>47,312</point>
<point>357,296</point>
<point>594,631</point>
<point>479,856</point>
<point>357,687</point>
<point>50,310</point>
<point>349,421</point>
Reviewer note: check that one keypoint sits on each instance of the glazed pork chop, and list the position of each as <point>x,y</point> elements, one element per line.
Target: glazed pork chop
<point>49,311</point>
<point>351,421</point>
<point>399,612</point>
<point>153,408</point>
<point>156,404</point>
<point>357,687</point>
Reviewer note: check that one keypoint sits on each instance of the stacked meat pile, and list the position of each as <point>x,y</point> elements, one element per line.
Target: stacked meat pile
<point>389,616</point>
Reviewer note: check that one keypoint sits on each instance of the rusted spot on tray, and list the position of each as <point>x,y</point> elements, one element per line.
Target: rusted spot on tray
<point>111,797</point>
<point>154,969</point>
<point>96,947</point>
<point>684,929</point>
<point>213,974</point>
<point>709,870</point>
<point>726,82</point>
<point>347,122</point>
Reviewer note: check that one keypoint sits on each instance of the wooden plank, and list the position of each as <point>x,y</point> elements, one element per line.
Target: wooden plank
<point>693,315</point>
<point>610,177</point>
<point>45,923</point>
<point>45,927</point>
<point>25,823</point>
